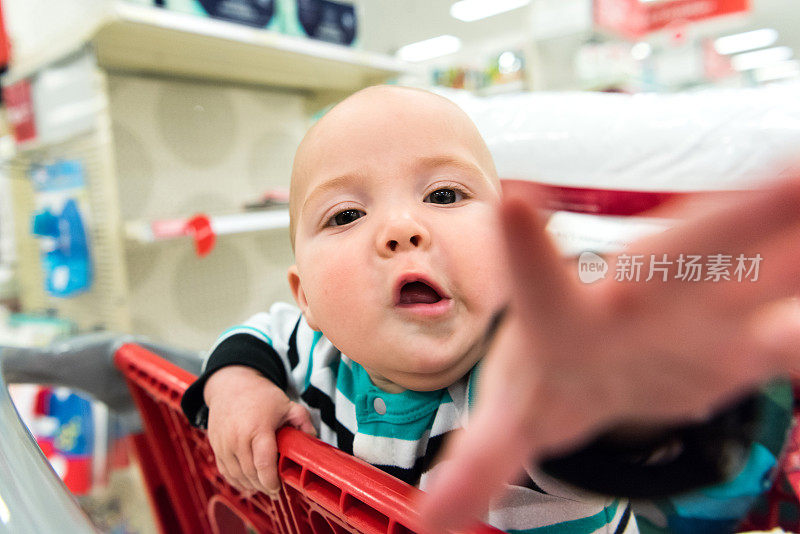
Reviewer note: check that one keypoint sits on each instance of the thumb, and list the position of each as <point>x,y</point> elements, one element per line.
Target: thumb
<point>298,417</point>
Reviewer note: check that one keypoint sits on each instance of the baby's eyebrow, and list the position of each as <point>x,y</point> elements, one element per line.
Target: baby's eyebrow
<point>338,182</point>
<point>433,162</point>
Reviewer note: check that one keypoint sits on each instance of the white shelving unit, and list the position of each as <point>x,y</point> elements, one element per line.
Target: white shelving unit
<point>171,115</point>
<point>142,39</point>
<point>145,232</point>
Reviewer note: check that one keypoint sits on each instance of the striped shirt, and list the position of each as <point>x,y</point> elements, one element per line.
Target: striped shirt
<point>399,433</point>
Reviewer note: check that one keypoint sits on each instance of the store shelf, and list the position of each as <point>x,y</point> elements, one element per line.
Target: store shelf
<point>516,86</point>
<point>151,40</point>
<point>145,232</point>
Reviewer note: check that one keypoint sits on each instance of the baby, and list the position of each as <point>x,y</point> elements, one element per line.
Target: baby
<point>399,273</point>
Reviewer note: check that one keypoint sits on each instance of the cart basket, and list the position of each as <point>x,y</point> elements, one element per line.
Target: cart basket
<point>324,490</point>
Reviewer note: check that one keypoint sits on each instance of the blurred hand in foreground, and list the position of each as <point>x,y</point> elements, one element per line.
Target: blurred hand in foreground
<point>574,359</point>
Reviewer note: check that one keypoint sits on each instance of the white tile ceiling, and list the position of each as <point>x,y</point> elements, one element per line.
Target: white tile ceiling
<point>392,23</point>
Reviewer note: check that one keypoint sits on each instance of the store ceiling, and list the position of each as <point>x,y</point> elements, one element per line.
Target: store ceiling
<point>392,24</point>
<point>783,15</point>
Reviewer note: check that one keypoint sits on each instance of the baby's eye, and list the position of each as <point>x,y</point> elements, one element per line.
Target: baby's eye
<point>445,195</point>
<point>345,217</point>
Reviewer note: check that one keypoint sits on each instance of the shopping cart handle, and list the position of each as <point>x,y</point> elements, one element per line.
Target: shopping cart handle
<point>86,363</point>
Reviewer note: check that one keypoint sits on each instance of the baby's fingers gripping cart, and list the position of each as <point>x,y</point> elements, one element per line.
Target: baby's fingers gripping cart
<point>324,490</point>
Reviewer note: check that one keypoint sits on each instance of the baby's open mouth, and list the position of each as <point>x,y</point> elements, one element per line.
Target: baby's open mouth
<point>418,293</point>
<point>421,298</point>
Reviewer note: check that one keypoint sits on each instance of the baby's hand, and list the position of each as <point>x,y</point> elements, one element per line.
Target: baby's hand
<point>245,411</point>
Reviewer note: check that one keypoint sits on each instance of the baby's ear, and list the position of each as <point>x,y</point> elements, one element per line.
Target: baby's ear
<point>300,296</point>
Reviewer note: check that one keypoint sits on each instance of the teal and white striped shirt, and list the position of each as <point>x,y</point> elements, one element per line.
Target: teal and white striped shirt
<point>400,433</point>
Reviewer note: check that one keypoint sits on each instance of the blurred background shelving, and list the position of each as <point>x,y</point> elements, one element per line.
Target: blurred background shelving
<point>173,126</point>
<point>144,232</point>
<point>169,114</point>
<point>145,40</point>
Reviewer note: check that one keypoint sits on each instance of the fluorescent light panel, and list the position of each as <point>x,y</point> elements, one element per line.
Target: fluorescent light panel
<point>741,42</point>
<point>470,10</point>
<point>761,58</point>
<point>430,48</point>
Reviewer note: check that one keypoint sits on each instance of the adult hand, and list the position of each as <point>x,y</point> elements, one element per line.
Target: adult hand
<point>575,359</point>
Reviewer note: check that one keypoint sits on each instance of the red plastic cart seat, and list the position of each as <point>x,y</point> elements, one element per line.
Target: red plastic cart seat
<point>324,490</point>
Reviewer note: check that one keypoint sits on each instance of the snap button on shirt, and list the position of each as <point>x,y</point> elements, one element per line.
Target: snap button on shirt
<point>379,405</point>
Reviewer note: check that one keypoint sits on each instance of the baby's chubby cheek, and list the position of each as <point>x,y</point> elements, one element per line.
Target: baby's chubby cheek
<point>336,279</point>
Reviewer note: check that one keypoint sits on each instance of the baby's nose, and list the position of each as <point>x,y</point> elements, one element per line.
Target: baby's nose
<point>400,234</point>
<point>414,240</point>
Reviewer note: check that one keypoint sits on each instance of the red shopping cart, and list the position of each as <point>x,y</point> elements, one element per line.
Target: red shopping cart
<point>325,491</point>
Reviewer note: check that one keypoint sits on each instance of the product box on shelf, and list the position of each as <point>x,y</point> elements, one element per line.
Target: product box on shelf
<point>65,432</point>
<point>256,13</point>
<point>62,227</point>
<point>325,20</point>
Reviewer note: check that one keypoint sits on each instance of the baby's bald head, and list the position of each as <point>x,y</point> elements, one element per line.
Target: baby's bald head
<point>398,114</point>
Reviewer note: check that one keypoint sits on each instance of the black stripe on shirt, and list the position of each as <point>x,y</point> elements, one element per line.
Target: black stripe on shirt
<point>525,481</point>
<point>344,438</point>
<point>432,450</point>
<point>623,521</point>
<point>421,465</point>
<point>292,354</point>
<point>239,349</point>
<point>409,476</point>
<point>315,398</point>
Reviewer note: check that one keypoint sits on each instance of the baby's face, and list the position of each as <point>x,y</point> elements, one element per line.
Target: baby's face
<point>398,260</point>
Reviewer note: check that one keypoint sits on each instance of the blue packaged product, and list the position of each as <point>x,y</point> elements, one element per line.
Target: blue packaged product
<point>60,222</point>
<point>67,267</point>
<point>325,20</point>
<point>255,13</point>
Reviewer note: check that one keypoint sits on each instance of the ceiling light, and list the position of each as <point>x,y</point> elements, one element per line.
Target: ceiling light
<point>741,42</point>
<point>508,62</point>
<point>469,10</point>
<point>641,51</point>
<point>761,58</point>
<point>429,48</point>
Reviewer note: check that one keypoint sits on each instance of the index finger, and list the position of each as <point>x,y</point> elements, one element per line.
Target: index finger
<point>541,284</point>
<point>265,461</point>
